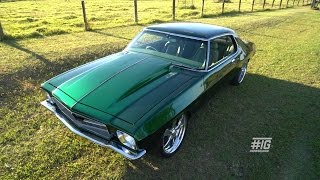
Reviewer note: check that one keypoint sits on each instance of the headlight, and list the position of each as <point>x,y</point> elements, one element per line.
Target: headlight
<point>126,140</point>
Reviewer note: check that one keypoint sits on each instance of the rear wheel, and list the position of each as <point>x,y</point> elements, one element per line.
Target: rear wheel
<point>172,137</point>
<point>239,77</point>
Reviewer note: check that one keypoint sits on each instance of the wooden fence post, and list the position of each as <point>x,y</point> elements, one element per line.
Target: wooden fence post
<point>223,6</point>
<point>239,5</point>
<point>287,3</point>
<point>135,11</point>
<point>86,27</point>
<point>1,33</point>
<point>173,10</point>
<point>272,3</point>
<point>280,4</point>
<point>313,3</point>
<point>252,5</point>
<point>202,9</point>
<point>264,3</point>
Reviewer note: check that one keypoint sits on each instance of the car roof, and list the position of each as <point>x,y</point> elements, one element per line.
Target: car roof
<point>198,30</point>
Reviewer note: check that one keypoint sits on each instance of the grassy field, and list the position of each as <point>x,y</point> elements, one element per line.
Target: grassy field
<point>279,98</point>
<point>37,18</point>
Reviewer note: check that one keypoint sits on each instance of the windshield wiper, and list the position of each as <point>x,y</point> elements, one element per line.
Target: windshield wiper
<point>181,65</point>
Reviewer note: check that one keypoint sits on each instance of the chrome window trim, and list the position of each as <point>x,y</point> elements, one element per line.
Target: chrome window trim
<point>223,60</point>
<point>208,56</point>
<point>174,34</point>
<point>207,68</point>
<point>178,35</point>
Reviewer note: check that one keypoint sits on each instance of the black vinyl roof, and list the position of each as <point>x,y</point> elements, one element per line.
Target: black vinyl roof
<point>199,30</point>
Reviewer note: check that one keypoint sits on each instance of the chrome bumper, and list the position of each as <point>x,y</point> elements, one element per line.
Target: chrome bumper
<point>93,138</point>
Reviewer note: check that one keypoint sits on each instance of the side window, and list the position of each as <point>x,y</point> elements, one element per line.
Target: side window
<point>220,48</point>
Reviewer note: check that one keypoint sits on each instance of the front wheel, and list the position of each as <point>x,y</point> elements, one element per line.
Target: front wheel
<point>239,77</point>
<point>172,137</point>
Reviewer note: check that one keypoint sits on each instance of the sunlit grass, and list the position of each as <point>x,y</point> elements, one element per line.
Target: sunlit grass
<point>279,99</point>
<point>25,19</point>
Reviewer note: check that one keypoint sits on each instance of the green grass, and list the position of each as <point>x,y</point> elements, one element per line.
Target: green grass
<point>38,18</point>
<point>279,98</point>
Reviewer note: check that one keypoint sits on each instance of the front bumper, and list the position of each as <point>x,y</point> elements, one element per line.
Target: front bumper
<point>103,142</point>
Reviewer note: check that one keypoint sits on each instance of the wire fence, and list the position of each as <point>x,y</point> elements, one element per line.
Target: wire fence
<point>37,18</point>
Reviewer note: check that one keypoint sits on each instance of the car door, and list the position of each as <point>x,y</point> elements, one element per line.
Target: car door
<point>223,58</point>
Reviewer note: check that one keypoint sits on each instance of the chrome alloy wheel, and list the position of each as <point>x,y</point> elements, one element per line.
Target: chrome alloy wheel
<point>243,72</point>
<point>174,135</point>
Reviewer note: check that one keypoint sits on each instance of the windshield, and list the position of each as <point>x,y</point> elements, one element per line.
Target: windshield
<point>181,51</point>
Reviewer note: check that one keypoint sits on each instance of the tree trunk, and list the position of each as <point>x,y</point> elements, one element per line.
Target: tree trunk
<point>272,3</point>
<point>239,5</point>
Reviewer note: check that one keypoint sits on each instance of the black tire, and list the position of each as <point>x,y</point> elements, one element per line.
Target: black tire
<point>240,75</point>
<point>163,148</point>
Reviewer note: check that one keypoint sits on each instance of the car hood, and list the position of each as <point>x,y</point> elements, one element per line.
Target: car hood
<point>125,85</point>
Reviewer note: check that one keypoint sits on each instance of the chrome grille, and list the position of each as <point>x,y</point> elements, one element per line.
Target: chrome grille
<point>63,109</point>
<point>89,125</point>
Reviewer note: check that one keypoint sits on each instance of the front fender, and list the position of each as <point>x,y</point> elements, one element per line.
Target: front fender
<point>169,108</point>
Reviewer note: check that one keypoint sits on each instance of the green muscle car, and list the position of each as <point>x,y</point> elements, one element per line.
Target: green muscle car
<point>143,96</point>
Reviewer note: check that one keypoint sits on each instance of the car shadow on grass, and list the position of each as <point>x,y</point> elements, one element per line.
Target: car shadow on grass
<point>220,134</point>
<point>17,46</point>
